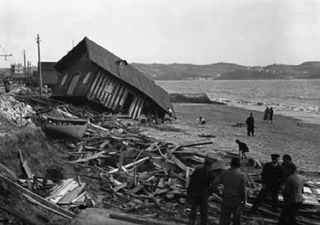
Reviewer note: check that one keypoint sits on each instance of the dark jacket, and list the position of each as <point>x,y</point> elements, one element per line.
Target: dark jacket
<point>200,182</point>
<point>243,147</point>
<point>250,122</point>
<point>234,186</point>
<point>293,189</point>
<point>272,176</point>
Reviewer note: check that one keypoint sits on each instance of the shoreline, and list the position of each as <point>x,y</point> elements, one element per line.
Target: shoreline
<point>304,117</point>
<point>227,123</point>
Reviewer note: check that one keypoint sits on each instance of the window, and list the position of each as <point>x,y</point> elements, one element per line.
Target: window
<point>121,63</point>
<point>85,80</point>
<point>64,79</point>
<point>108,88</point>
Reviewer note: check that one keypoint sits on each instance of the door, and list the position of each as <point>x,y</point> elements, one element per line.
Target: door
<point>73,84</point>
<point>127,103</point>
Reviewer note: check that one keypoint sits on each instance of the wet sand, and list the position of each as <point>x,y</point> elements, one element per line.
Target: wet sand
<point>286,135</point>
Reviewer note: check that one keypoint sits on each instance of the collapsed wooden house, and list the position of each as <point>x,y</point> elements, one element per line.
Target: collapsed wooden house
<point>93,73</point>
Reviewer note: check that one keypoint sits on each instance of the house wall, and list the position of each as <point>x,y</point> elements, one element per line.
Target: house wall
<point>80,65</point>
<point>112,93</point>
<point>99,86</point>
<point>49,77</point>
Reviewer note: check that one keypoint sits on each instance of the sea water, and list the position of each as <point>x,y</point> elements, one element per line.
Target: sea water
<point>296,98</point>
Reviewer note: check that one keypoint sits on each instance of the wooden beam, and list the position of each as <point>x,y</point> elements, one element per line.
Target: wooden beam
<point>38,198</point>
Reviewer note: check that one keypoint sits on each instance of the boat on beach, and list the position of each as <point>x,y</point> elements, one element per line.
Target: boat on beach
<point>72,128</point>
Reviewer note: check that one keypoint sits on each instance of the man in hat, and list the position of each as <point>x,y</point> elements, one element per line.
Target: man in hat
<point>199,190</point>
<point>234,193</point>
<point>243,148</point>
<point>272,177</point>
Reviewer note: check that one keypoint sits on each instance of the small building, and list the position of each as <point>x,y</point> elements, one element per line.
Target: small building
<point>93,73</point>
<point>49,74</point>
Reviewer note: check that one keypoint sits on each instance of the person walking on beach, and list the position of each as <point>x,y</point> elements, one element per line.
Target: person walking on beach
<point>270,114</point>
<point>250,125</point>
<point>292,196</point>
<point>198,191</point>
<point>272,177</point>
<point>243,148</point>
<point>266,115</point>
<point>234,193</point>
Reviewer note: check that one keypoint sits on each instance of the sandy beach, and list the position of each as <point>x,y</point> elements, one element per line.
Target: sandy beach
<point>286,135</point>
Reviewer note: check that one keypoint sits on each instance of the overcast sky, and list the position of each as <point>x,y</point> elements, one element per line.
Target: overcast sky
<point>248,32</point>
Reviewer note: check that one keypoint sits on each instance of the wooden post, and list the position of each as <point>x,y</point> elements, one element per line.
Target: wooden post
<point>39,64</point>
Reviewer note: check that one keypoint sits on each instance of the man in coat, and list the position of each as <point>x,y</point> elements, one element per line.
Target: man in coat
<point>272,177</point>
<point>198,191</point>
<point>292,196</point>
<point>234,193</point>
<point>250,125</point>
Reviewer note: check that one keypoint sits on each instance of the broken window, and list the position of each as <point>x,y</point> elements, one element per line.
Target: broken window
<point>121,63</point>
<point>64,79</point>
<point>85,80</point>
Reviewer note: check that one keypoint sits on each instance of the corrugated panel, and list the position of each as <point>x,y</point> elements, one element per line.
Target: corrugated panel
<point>136,108</point>
<point>114,94</point>
<point>140,108</point>
<point>101,88</point>
<point>124,96</point>
<point>97,85</point>
<point>119,95</point>
<point>132,106</point>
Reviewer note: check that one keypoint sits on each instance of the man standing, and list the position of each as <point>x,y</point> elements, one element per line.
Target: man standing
<point>234,193</point>
<point>198,190</point>
<point>243,148</point>
<point>250,125</point>
<point>270,114</point>
<point>292,195</point>
<point>272,176</point>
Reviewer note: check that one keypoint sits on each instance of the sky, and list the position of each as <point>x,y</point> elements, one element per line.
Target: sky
<point>247,32</point>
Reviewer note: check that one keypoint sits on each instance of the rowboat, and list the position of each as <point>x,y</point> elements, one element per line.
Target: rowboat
<point>73,128</point>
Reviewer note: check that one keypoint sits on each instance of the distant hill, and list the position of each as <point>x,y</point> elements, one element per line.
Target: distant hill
<point>185,71</point>
<point>229,71</point>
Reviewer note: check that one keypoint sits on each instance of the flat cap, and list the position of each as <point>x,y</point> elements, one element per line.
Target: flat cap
<point>275,155</point>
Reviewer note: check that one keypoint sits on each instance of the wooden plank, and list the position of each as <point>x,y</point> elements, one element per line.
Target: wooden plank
<point>96,86</point>
<point>124,96</point>
<point>25,166</point>
<point>38,198</point>
<point>140,108</point>
<point>116,103</point>
<point>94,156</point>
<point>129,165</point>
<point>132,106</point>
<point>134,116</point>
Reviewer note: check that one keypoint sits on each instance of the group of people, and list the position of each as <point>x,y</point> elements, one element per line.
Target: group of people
<point>275,177</point>
<point>268,115</point>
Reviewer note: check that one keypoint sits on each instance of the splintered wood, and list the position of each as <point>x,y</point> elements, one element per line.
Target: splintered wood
<point>131,172</point>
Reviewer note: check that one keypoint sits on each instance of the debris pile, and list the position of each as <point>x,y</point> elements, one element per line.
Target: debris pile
<point>119,168</point>
<point>15,111</point>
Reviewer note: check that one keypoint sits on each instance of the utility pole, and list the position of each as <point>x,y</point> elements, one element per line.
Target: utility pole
<point>39,64</point>
<point>24,65</point>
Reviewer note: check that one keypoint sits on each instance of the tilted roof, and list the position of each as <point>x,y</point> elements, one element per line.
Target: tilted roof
<point>127,73</point>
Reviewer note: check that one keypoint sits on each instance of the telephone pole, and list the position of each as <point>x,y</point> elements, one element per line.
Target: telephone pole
<point>24,65</point>
<point>39,64</point>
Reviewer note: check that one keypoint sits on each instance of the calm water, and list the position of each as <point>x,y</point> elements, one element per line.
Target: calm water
<point>298,98</point>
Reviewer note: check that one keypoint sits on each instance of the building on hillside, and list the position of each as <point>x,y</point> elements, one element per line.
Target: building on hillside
<point>91,72</point>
